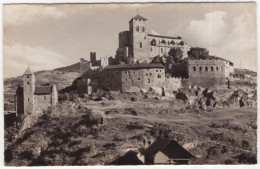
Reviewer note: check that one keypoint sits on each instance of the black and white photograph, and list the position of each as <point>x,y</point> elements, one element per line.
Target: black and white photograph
<point>115,84</point>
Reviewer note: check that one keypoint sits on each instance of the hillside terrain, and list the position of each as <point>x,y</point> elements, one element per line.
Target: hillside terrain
<point>217,125</point>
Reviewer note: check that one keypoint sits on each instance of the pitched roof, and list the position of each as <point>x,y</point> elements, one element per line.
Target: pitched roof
<point>43,90</point>
<point>135,66</point>
<point>161,36</point>
<point>170,148</point>
<point>28,71</point>
<point>130,158</point>
<point>138,17</point>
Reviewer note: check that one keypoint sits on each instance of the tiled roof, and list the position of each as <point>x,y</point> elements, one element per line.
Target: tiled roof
<point>161,36</point>
<point>170,148</point>
<point>135,66</point>
<point>43,90</point>
<point>28,71</point>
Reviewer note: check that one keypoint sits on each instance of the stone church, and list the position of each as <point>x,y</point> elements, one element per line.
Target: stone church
<point>137,43</point>
<point>31,99</point>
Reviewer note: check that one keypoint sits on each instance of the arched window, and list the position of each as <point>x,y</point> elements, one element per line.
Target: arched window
<point>217,68</point>
<point>141,45</point>
<point>211,68</point>
<point>137,28</point>
<point>206,68</point>
<point>194,68</point>
<point>143,29</point>
<point>200,68</point>
<point>153,42</point>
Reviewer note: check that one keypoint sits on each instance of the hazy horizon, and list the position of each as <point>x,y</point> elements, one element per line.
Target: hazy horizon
<point>51,36</point>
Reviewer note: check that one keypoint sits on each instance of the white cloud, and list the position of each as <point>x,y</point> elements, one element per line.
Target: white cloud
<point>18,56</point>
<point>154,32</point>
<point>209,31</point>
<point>233,39</point>
<point>20,14</point>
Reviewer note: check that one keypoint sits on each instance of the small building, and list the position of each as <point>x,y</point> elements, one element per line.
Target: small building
<point>166,151</point>
<point>31,99</point>
<point>143,75</point>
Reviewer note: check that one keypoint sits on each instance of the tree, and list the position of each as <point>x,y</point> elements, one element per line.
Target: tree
<point>176,54</point>
<point>198,53</point>
<point>157,59</point>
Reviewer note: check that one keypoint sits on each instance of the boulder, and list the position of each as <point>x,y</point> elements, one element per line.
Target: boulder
<point>133,89</point>
<point>182,94</point>
<point>156,90</point>
<point>143,90</point>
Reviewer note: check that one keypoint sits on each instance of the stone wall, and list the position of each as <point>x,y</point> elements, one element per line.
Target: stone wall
<point>83,86</point>
<point>206,73</point>
<point>172,84</point>
<point>84,65</point>
<point>124,79</point>
<point>42,102</point>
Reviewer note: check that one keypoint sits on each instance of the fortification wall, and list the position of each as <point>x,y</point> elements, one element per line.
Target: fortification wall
<point>124,39</point>
<point>206,73</point>
<point>84,65</point>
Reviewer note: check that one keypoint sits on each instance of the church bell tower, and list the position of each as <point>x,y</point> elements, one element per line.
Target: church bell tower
<point>28,90</point>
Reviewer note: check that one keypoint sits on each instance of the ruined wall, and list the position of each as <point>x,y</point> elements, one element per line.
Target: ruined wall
<point>124,39</point>
<point>19,101</point>
<point>54,95</point>
<point>42,102</point>
<point>84,65</point>
<point>83,86</point>
<point>206,73</point>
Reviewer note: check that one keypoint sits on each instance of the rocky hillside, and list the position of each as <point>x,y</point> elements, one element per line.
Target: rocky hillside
<point>218,126</point>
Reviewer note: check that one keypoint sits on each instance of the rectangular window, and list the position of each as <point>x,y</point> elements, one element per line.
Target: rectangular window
<point>150,74</point>
<point>159,76</point>
<point>156,70</point>
<point>28,99</point>
<point>146,74</point>
<point>126,80</point>
<point>148,80</point>
<point>27,82</point>
<point>139,78</point>
<point>141,45</point>
<point>44,97</point>
<point>151,49</point>
<point>27,76</point>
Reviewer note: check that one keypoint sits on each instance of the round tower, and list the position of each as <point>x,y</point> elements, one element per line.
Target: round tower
<point>28,90</point>
<point>139,40</point>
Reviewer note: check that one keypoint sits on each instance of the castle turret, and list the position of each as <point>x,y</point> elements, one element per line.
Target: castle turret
<point>139,40</point>
<point>28,90</point>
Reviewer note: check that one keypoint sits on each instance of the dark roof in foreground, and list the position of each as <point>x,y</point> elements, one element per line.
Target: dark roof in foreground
<point>135,66</point>
<point>43,90</point>
<point>161,36</point>
<point>170,148</point>
<point>130,158</point>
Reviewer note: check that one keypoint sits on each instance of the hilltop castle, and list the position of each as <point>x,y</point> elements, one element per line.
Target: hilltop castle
<point>141,46</point>
<point>30,99</point>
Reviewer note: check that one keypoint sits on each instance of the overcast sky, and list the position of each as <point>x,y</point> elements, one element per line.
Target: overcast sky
<point>52,36</point>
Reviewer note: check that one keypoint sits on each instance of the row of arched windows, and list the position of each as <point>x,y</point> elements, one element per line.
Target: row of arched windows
<point>206,68</point>
<point>153,42</point>
<point>142,29</point>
